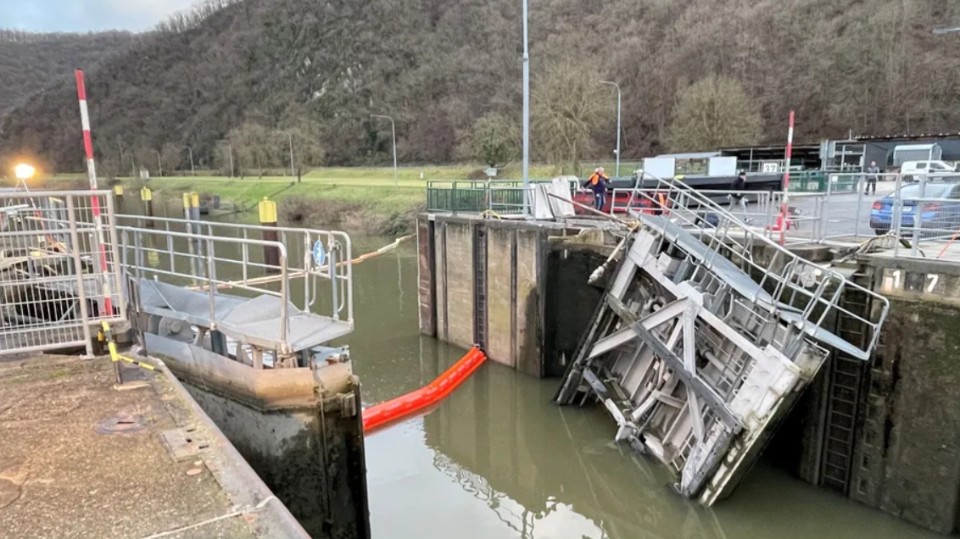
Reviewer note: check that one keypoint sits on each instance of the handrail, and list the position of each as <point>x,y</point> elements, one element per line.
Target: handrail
<point>687,207</point>
<point>338,246</point>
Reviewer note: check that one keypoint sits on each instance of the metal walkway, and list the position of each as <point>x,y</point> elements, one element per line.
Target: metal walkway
<point>700,349</point>
<point>287,296</point>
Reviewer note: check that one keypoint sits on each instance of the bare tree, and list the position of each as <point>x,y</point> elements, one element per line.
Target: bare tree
<point>567,106</point>
<point>712,113</point>
<point>493,139</point>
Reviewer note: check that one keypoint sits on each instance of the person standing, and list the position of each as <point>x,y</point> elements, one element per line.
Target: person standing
<point>598,184</point>
<point>873,171</point>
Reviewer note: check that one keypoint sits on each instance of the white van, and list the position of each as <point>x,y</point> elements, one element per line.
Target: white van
<point>911,170</point>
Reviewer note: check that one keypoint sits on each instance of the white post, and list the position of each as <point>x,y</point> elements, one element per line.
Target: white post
<point>159,164</point>
<point>193,170</point>
<point>393,131</point>
<point>526,112</point>
<point>619,100</point>
<point>293,172</point>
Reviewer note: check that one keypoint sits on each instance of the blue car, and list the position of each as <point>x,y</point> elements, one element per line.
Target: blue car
<point>938,206</point>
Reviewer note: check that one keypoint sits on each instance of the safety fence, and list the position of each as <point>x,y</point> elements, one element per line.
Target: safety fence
<point>59,276</point>
<point>476,196</point>
<point>922,216</point>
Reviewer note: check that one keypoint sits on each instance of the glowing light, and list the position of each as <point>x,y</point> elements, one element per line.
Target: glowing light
<point>24,171</point>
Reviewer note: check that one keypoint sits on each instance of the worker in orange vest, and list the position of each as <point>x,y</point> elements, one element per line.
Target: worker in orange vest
<point>597,182</point>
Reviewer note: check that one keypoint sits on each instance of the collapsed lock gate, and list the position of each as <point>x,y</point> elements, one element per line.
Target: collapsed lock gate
<point>699,349</point>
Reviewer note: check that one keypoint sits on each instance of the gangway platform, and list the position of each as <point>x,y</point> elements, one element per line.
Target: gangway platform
<point>260,321</point>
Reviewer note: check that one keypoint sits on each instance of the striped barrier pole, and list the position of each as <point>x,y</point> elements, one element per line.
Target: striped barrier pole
<point>786,182</point>
<point>107,310</point>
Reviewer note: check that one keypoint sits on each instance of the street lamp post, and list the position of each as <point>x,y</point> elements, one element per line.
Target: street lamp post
<point>159,164</point>
<point>120,145</point>
<point>393,131</point>
<point>526,111</point>
<point>619,96</point>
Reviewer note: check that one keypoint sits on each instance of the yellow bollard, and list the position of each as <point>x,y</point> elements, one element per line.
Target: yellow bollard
<point>268,218</point>
<point>146,196</point>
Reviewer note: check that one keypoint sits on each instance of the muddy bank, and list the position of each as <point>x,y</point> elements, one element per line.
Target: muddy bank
<point>349,216</point>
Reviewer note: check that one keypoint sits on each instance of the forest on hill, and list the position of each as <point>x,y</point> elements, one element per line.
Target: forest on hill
<point>254,77</point>
<point>31,62</point>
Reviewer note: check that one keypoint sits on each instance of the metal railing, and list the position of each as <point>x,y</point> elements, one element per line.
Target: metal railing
<point>215,256</point>
<point>807,293</point>
<point>476,196</point>
<point>58,269</point>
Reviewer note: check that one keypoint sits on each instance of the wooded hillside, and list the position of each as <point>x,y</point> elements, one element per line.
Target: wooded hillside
<point>261,73</point>
<point>31,62</point>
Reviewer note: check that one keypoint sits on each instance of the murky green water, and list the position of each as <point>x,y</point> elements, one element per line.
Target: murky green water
<point>499,460</point>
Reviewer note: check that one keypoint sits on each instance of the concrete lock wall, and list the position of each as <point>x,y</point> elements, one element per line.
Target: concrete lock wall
<point>502,284</point>
<point>500,261</point>
<point>908,460</point>
<point>905,457</point>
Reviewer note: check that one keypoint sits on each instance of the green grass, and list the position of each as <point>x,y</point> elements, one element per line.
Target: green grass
<point>369,188</point>
<point>374,195</point>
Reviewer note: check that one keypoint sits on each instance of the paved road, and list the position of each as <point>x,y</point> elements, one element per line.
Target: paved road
<point>840,214</point>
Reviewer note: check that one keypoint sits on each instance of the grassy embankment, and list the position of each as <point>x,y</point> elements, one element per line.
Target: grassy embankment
<point>356,199</point>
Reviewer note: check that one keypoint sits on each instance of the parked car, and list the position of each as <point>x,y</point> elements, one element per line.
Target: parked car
<point>912,170</point>
<point>937,204</point>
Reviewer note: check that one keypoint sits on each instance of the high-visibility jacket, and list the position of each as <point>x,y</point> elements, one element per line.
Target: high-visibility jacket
<point>598,181</point>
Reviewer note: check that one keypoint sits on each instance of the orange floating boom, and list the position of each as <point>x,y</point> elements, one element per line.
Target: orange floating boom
<point>425,397</point>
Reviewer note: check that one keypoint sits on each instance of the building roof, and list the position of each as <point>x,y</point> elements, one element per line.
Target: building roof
<point>909,147</point>
<point>905,136</point>
<point>691,155</point>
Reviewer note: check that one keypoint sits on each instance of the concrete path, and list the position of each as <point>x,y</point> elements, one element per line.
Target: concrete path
<point>79,458</point>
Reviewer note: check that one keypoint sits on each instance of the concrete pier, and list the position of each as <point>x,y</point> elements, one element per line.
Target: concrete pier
<point>83,457</point>
<point>495,283</point>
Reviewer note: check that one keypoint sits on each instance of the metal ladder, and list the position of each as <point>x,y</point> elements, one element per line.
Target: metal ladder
<point>844,396</point>
<point>480,286</point>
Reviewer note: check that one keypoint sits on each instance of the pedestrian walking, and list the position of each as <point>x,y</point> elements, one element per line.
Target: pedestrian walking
<point>873,171</point>
<point>739,186</point>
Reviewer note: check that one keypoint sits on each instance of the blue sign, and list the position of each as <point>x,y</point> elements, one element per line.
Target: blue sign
<point>319,254</point>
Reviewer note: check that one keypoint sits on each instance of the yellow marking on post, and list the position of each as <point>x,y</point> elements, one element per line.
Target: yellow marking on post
<point>118,190</point>
<point>268,211</point>
<point>146,194</point>
<point>186,201</point>
<point>194,200</point>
